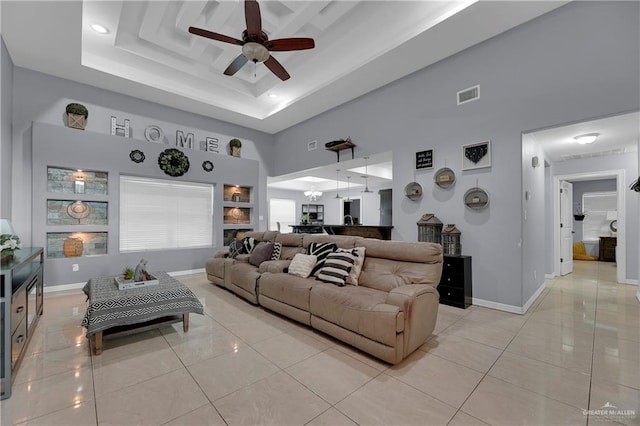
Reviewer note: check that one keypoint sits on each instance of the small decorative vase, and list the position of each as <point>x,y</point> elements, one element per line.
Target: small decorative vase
<point>72,247</point>
<point>7,257</point>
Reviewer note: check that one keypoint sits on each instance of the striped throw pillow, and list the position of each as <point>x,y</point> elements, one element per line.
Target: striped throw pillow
<point>277,249</point>
<point>336,268</point>
<point>320,251</point>
<point>249,243</point>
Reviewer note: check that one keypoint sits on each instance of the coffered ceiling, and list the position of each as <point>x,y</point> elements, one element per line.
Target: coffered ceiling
<point>149,53</point>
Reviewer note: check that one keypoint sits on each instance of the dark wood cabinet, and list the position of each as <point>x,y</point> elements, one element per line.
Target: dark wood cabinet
<point>455,282</point>
<point>608,249</point>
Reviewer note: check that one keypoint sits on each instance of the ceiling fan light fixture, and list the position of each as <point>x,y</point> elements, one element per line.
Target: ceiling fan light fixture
<point>255,52</point>
<point>587,138</point>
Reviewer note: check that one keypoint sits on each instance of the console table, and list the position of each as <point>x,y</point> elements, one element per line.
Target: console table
<point>608,249</point>
<point>21,302</point>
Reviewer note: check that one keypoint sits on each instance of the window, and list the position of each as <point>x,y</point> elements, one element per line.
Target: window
<point>596,205</point>
<point>282,211</point>
<point>158,214</point>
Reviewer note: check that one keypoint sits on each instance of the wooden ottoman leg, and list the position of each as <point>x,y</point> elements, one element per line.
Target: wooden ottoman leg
<point>185,322</point>
<point>97,343</point>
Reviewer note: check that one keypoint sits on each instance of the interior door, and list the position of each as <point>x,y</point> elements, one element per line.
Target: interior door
<point>566,228</point>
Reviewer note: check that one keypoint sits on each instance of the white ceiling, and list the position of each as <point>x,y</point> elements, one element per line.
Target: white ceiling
<point>149,54</point>
<point>618,134</point>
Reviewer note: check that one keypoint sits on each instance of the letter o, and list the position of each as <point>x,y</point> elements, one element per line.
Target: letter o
<point>154,134</point>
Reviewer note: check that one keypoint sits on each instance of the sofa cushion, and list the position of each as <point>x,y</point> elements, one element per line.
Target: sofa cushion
<point>407,251</point>
<point>386,274</point>
<point>359,309</point>
<point>302,265</point>
<point>342,241</point>
<point>263,251</point>
<point>289,252</point>
<point>286,288</point>
<point>321,251</point>
<point>358,253</point>
<point>245,276</point>
<point>277,249</point>
<point>336,268</point>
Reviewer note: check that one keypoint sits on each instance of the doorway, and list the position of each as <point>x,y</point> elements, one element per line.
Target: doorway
<point>351,208</point>
<point>619,176</point>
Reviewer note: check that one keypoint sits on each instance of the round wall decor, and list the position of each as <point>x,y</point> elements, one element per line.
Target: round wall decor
<point>445,177</point>
<point>78,210</point>
<point>413,191</point>
<point>207,166</point>
<point>173,162</point>
<point>137,156</point>
<point>476,198</point>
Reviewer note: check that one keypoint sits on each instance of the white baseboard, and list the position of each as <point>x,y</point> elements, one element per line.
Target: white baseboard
<point>496,305</point>
<point>550,276</point>
<point>509,308</point>
<point>76,286</point>
<point>631,282</point>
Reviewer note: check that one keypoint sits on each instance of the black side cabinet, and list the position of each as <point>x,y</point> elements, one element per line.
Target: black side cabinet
<point>455,283</point>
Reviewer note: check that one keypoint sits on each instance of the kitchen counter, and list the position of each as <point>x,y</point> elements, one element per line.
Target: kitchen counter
<point>367,231</point>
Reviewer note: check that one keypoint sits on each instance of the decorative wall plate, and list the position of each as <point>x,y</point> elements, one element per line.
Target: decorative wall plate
<point>445,177</point>
<point>476,198</point>
<point>137,156</point>
<point>173,162</point>
<point>78,210</point>
<point>207,166</point>
<point>413,191</point>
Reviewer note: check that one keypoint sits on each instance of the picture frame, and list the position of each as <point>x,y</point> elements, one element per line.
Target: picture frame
<point>424,159</point>
<point>476,155</point>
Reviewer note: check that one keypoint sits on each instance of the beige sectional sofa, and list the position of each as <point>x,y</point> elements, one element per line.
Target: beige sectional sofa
<point>389,314</point>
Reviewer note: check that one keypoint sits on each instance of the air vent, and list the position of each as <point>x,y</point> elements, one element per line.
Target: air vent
<point>311,146</point>
<point>468,95</point>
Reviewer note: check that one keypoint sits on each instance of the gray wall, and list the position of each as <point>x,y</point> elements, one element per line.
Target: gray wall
<point>579,188</point>
<point>77,149</point>
<point>42,98</point>
<point>578,62</point>
<point>6,115</point>
<point>629,164</point>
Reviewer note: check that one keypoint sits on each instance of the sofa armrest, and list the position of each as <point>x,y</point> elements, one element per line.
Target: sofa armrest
<point>419,302</point>
<point>274,266</point>
<point>221,253</point>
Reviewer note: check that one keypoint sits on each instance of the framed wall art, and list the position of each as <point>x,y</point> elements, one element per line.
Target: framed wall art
<point>476,156</point>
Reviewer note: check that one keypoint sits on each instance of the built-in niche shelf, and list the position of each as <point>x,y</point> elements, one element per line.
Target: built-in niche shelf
<point>237,212</point>
<point>76,244</point>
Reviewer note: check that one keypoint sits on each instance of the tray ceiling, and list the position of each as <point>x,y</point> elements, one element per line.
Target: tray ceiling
<point>148,52</point>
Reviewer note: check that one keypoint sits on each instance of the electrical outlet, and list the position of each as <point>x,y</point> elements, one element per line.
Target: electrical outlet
<point>75,267</point>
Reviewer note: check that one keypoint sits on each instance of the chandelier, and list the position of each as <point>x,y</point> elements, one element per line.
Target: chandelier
<point>313,194</point>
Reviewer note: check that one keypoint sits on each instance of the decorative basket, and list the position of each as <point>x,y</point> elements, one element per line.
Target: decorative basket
<point>73,247</point>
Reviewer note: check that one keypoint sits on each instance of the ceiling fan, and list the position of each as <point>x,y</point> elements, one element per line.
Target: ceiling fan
<point>255,43</point>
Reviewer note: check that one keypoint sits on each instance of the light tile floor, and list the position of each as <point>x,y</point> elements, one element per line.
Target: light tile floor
<point>577,349</point>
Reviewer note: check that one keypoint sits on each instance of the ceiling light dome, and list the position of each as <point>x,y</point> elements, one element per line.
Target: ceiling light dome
<point>586,138</point>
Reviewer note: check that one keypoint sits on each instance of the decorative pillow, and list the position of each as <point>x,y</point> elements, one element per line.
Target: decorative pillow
<point>262,251</point>
<point>358,253</point>
<point>235,248</point>
<point>336,268</point>
<point>248,243</point>
<point>302,264</point>
<point>321,251</point>
<point>277,249</point>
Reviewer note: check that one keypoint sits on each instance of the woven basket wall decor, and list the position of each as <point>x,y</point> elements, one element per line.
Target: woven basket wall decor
<point>73,247</point>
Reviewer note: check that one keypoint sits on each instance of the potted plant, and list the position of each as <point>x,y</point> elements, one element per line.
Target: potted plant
<point>234,147</point>
<point>77,115</point>
<point>128,273</point>
<point>579,214</point>
<point>9,243</point>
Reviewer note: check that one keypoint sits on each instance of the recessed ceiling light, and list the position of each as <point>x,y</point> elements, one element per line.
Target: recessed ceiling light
<point>101,29</point>
<point>586,138</point>
<point>273,96</point>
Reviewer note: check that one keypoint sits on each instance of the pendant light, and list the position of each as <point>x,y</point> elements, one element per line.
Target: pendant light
<point>337,184</point>
<point>366,176</point>
<point>347,199</point>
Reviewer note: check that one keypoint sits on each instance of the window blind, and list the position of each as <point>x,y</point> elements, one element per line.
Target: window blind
<point>158,214</point>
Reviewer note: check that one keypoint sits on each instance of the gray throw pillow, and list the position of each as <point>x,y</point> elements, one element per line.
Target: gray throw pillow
<point>262,251</point>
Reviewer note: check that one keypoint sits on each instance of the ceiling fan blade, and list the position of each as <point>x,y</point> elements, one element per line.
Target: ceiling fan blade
<point>215,36</point>
<point>277,68</point>
<point>285,44</point>
<point>235,66</point>
<point>254,20</point>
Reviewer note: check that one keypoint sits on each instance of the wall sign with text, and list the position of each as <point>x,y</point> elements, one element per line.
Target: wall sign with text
<point>424,159</point>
